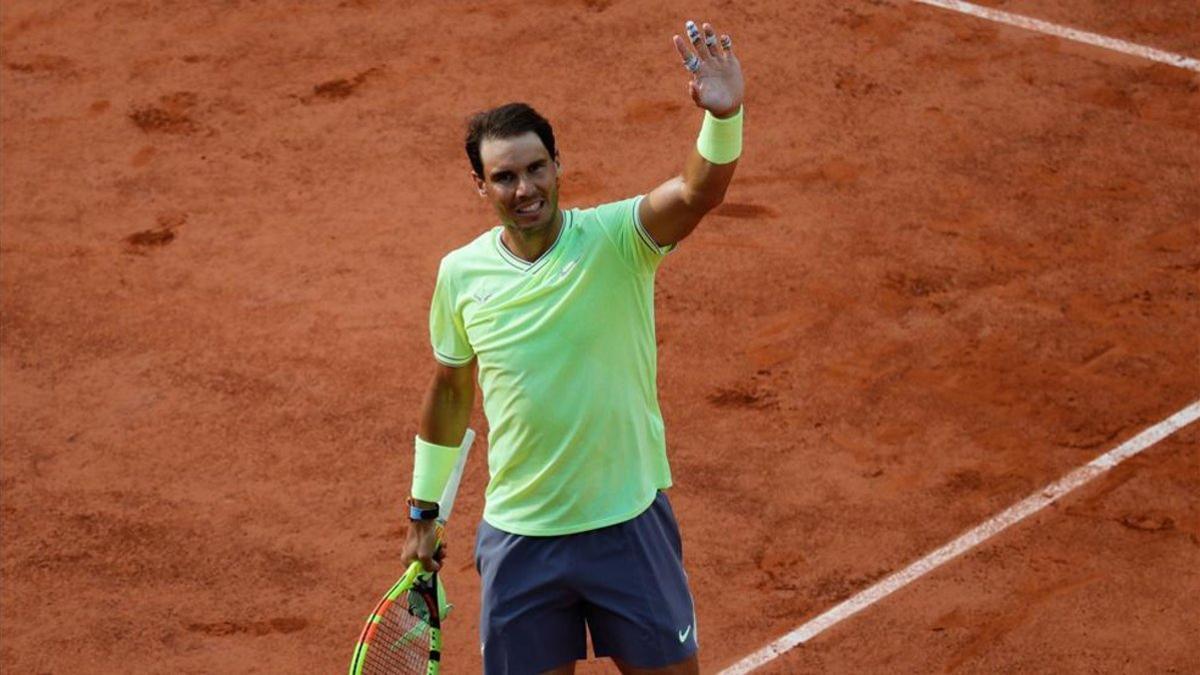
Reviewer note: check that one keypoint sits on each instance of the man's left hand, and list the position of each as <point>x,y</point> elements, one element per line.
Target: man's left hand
<point>716,83</point>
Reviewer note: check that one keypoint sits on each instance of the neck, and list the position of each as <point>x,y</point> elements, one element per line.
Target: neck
<point>529,245</point>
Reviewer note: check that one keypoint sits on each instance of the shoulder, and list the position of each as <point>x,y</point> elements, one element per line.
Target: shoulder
<point>463,259</point>
<point>620,222</point>
<point>609,213</point>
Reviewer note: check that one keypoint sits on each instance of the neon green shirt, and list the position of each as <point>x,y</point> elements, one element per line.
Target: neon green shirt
<point>567,365</point>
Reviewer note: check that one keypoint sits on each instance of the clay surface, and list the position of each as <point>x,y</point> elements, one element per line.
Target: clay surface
<point>958,261</point>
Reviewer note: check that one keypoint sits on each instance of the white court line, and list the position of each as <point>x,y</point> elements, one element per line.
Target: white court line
<point>969,540</point>
<point>1067,32</point>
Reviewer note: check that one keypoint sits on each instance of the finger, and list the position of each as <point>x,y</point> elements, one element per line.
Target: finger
<point>428,562</point>
<point>428,555</point>
<point>727,44</point>
<point>690,60</point>
<point>710,41</point>
<point>696,38</point>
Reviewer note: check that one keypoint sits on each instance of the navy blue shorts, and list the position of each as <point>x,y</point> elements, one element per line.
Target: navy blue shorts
<point>624,584</point>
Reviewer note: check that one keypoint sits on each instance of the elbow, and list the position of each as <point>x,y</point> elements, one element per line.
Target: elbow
<point>701,202</point>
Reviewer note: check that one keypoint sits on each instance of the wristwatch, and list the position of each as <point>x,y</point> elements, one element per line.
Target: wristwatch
<point>416,512</point>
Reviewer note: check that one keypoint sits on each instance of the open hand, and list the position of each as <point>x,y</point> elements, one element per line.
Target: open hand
<point>716,83</point>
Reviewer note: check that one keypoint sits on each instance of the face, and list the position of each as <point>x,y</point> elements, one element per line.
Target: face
<point>520,179</point>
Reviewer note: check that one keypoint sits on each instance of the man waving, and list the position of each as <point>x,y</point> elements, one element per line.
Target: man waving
<point>555,310</point>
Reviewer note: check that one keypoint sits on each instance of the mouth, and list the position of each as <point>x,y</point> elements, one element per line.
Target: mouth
<point>530,209</point>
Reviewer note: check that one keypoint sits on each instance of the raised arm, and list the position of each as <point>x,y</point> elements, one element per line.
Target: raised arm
<point>672,210</point>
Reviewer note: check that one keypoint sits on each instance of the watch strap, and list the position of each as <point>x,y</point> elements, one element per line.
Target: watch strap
<point>416,512</point>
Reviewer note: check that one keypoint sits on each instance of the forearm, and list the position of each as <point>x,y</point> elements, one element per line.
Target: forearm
<point>704,183</point>
<point>672,210</point>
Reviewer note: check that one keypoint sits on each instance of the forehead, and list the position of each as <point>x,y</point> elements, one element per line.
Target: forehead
<point>504,154</point>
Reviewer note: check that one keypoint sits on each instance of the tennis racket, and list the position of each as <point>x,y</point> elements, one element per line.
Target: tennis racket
<point>403,636</point>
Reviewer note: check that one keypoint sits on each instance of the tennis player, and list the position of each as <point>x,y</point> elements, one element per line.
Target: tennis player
<point>555,310</point>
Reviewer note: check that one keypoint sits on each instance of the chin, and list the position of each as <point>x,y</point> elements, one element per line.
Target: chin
<point>536,225</point>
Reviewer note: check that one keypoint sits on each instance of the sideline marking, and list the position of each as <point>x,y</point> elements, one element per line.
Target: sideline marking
<point>970,539</point>
<point>1085,37</point>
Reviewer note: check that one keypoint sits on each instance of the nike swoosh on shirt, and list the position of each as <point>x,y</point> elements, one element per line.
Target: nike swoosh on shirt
<point>683,634</point>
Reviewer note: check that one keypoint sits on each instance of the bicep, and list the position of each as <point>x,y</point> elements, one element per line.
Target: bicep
<point>448,402</point>
<point>459,380</point>
<point>665,213</point>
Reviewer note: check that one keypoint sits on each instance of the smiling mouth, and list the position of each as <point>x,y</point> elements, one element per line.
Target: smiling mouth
<point>531,209</point>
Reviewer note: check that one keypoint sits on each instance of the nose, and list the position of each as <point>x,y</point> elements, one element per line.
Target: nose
<point>525,187</point>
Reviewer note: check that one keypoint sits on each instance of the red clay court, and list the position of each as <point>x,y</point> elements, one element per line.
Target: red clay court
<point>960,260</point>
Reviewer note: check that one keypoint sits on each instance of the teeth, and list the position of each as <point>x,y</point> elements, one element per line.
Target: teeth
<point>532,208</point>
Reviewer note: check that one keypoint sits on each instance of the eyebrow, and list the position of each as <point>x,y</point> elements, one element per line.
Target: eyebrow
<point>496,173</point>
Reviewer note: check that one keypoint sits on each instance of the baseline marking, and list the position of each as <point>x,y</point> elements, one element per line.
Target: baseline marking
<point>1085,37</point>
<point>970,539</point>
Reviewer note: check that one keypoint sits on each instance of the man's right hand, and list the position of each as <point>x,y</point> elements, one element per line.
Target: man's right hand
<point>422,545</point>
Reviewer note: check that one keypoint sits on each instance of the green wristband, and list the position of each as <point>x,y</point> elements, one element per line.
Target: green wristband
<point>720,140</point>
<point>432,466</point>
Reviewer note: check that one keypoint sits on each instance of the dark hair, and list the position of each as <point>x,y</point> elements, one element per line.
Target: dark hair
<point>510,119</point>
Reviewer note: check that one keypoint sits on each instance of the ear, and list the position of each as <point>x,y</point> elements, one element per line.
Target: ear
<point>479,186</point>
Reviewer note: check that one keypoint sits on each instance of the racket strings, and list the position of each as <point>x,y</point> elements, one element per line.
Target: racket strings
<point>401,643</point>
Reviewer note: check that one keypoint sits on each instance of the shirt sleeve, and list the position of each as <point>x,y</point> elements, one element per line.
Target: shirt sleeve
<point>446,331</point>
<point>623,227</point>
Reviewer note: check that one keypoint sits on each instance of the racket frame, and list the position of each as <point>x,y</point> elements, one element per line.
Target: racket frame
<point>414,572</point>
